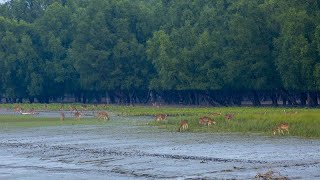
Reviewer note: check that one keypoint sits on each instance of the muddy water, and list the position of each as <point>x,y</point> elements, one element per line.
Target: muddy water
<point>123,149</point>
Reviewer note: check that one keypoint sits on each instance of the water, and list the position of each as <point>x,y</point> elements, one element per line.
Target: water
<point>123,149</point>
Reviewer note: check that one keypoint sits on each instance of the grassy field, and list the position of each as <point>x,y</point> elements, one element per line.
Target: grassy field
<point>303,122</point>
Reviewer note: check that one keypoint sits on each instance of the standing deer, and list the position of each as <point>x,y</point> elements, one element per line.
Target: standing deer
<point>183,126</point>
<point>17,109</point>
<point>62,116</point>
<point>77,115</point>
<point>281,128</point>
<point>103,115</point>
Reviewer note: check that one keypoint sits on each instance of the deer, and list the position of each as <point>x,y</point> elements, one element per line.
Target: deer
<point>210,122</point>
<point>229,116</point>
<point>161,117</point>
<point>183,126</point>
<point>18,109</point>
<point>62,116</point>
<point>281,128</point>
<point>77,115</point>
<point>206,121</point>
<point>103,115</point>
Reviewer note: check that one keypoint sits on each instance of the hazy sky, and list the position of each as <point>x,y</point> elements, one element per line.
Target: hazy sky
<point>2,1</point>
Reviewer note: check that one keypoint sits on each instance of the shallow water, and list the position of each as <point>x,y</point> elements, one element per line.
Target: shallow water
<point>123,149</point>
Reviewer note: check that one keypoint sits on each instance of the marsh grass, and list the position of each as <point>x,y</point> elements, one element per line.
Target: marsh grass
<point>303,122</point>
<point>9,121</point>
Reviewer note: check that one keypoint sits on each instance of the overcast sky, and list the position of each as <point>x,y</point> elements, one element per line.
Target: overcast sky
<point>2,1</point>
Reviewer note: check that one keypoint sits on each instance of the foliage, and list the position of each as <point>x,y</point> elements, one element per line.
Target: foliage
<point>222,50</point>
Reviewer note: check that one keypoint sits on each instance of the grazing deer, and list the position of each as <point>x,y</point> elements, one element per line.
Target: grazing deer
<point>183,126</point>
<point>210,122</point>
<point>229,116</point>
<point>77,115</point>
<point>18,109</point>
<point>206,121</point>
<point>161,117</point>
<point>281,128</point>
<point>103,115</point>
<point>62,116</point>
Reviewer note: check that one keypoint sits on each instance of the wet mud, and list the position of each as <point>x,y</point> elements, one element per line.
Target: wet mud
<point>124,149</point>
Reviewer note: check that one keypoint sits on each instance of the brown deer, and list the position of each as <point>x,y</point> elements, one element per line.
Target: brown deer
<point>62,116</point>
<point>103,115</point>
<point>77,115</point>
<point>281,128</point>
<point>229,116</point>
<point>210,122</point>
<point>161,117</point>
<point>183,126</point>
<point>18,109</point>
<point>206,121</point>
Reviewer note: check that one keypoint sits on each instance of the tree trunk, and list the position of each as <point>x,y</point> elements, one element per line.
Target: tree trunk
<point>274,99</point>
<point>256,100</point>
<point>312,99</point>
<point>303,99</point>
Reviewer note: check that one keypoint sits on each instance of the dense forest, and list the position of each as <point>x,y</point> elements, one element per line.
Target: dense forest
<point>191,52</point>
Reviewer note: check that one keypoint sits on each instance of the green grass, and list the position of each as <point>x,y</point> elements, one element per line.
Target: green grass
<point>10,121</point>
<point>303,122</point>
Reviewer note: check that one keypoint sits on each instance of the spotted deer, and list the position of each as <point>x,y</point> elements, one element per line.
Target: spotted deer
<point>206,121</point>
<point>183,126</point>
<point>77,115</point>
<point>281,128</point>
<point>103,115</point>
<point>62,116</point>
<point>161,117</point>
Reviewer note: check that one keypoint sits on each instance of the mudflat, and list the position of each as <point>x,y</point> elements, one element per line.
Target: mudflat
<point>123,148</point>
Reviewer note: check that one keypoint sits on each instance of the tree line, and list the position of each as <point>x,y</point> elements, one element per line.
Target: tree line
<point>221,52</point>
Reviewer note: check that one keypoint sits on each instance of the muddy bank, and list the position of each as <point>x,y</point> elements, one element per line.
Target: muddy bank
<point>124,149</point>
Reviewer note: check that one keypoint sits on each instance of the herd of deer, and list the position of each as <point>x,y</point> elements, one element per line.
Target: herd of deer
<point>101,115</point>
<point>280,129</point>
<point>207,121</point>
